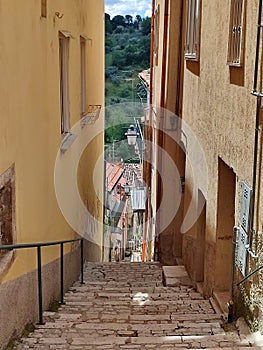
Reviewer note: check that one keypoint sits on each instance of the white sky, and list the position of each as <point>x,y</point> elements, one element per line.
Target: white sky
<point>128,7</point>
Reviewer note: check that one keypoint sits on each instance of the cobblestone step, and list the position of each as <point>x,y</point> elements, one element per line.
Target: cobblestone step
<point>126,306</point>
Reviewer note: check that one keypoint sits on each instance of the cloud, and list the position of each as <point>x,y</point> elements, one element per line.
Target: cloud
<point>132,7</point>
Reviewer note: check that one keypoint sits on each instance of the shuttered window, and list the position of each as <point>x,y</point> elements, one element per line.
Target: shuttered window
<point>236,29</point>
<point>192,35</point>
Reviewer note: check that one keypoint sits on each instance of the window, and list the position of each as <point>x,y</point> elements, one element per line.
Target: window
<point>156,34</point>
<point>64,84</point>
<point>83,75</point>
<point>43,8</point>
<point>235,42</point>
<point>192,37</point>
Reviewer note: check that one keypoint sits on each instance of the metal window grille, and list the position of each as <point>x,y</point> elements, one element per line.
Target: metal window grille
<point>43,8</point>
<point>236,26</point>
<point>192,35</point>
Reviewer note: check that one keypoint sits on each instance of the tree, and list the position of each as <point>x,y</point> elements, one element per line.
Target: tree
<point>107,17</point>
<point>119,59</point>
<point>117,21</point>
<point>138,18</point>
<point>137,22</point>
<point>146,25</point>
<point>128,20</point>
<point>108,25</point>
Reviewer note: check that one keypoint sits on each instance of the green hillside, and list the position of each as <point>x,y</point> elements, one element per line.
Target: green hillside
<point>127,52</point>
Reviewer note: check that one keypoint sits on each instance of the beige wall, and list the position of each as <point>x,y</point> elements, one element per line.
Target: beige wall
<point>221,111</point>
<point>30,112</point>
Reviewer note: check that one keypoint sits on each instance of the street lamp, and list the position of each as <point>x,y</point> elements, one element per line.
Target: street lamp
<point>131,135</point>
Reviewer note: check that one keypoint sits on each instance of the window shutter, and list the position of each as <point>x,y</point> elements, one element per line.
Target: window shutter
<point>236,29</point>
<point>192,34</point>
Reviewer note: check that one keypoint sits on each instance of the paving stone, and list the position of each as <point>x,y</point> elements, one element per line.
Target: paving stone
<point>126,306</point>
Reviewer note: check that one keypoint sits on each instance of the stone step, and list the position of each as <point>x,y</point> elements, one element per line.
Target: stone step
<point>125,306</point>
<point>132,330</point>
<point>94,287</point>
<point>115,308</point>
<point>158,341</point>
<point>111,293</point>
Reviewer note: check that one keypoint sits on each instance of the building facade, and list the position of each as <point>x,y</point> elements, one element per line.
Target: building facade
<point>165,114</point>
<point>52,69</point>
<point>209,63</point>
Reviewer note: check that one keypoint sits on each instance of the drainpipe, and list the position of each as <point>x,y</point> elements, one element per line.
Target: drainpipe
<point>160,142</point>
<point>147,162</point>
<point>257,130</point>
<point>231,301</point>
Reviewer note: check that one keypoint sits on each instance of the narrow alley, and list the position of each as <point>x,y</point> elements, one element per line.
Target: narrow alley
<point>126,306</point>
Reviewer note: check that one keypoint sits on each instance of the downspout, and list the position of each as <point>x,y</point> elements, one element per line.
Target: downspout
<point>257,130</point>
<point>160,141</point>
<point>147,162</point>
<point>230,316</point>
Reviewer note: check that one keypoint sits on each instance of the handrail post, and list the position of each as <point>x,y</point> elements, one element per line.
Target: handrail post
<point>39,269</point>
<point>62,273</point>
<point>82,261</point>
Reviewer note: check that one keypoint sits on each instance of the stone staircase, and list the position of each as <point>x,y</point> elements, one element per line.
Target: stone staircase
<point>125,306</point>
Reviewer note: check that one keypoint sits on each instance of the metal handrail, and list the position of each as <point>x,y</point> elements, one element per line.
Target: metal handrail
<point>250,274</point>
<point>39,266</point>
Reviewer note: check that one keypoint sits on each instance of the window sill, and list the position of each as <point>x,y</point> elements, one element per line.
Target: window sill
<point>67,141</point>
<point>85,120</point>
<point>91,115</point>
<point>235,65</point>
<point>189,57</point>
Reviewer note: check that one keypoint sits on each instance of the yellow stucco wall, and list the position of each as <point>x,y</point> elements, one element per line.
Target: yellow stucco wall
<point>30,110</point>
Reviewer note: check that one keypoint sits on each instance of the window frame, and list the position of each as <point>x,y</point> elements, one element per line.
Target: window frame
<point>64,82</point>
<point>192,30</point>
<point>235,53</point>
<point>83,78</point>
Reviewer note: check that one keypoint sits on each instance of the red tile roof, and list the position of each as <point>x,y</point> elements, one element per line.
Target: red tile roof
<point>114,172</point>
<point>145,77</point>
